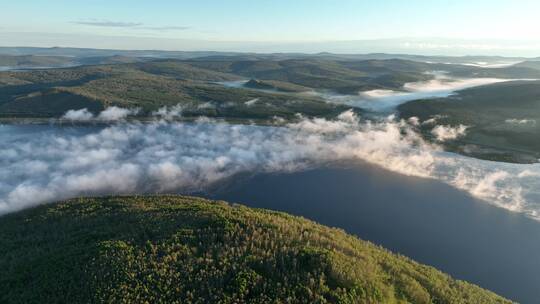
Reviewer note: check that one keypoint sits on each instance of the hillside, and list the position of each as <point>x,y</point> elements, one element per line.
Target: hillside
<point>533,64</point>
<point>148,86</point>
<point>350,76</point>
<point>345,77</point>
<point>114,59</point>
<point>198,85</point>
<point>174,249</point>
<point>502,120</point>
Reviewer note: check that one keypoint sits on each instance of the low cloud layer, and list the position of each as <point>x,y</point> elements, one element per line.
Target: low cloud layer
<point>515,121</point>
<point>116,113</point>
<point>169,157</point>
<point>387,100</point>
<point>78,115</point>
<point>251,102</point>
<point>109,114</point>
<point>169,113</point>
<point>492,65</point>
<point>445,133</point>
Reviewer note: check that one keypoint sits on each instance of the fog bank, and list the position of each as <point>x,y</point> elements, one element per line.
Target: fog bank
<point>387,100</point>
<point>46,163</point>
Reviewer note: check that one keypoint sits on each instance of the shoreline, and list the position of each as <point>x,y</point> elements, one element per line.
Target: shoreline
<point>425,219</point>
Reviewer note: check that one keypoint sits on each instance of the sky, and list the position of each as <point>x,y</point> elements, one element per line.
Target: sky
<point>277,25</point>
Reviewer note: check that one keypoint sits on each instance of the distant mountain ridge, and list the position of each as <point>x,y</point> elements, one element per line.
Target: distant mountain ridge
<point>215,55</point>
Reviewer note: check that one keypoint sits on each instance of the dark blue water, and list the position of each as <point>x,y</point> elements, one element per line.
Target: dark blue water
<point>423,219</point>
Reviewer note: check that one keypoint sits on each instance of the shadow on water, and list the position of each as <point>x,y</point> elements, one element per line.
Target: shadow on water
<point>426,220</point>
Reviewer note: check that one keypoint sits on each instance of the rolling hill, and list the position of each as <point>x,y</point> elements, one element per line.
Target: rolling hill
<point>33,61</point>
<point>175,249</point>
<point>197,85</point>
<point>148,86</point>
<point>533,64</point>
<point>345,77</point>
<point>503,120</point>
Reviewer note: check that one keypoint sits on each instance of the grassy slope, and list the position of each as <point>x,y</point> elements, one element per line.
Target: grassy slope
<point>486,110</point>
<point>173,249</point>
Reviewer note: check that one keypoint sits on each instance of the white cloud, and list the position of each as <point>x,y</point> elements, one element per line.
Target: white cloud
<point>108,23</point>
<point>386,100</point>
<point>206,105</point>
<point>415,121</point>
<point>130,25</point>
<point>492,65</point>
<point>433,120</point>
<point>528,173</point>
<point>251,102</point>
<point>109,114</point>
<point>169,113</point>
<point>78,115</point>
<point>515,121</point>
<point>115,113</point>
<point>445,133</point>
<point>165,157</point>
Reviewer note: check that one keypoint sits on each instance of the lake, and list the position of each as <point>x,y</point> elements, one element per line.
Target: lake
<point>426,220</point>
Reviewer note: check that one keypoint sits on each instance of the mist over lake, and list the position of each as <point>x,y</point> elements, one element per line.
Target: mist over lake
<point>163,156</point>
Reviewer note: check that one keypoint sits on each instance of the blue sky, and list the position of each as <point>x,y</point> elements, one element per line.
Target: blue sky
<point>189,24</point>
